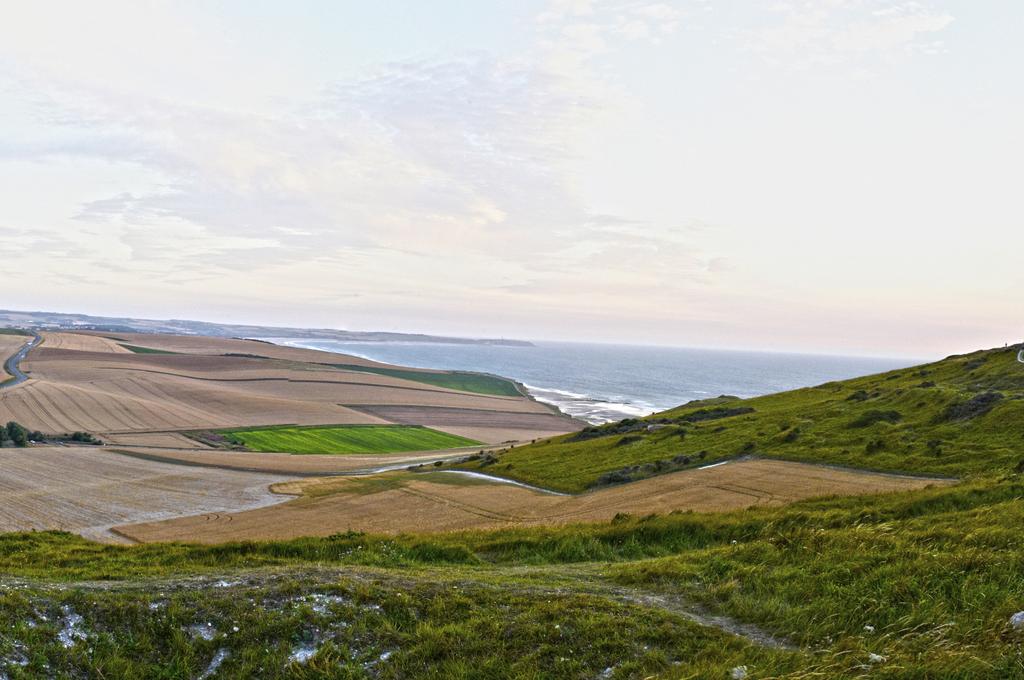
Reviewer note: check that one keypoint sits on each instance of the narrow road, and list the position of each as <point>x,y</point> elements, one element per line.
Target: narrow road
<point>1020,356</point>
<point>11,365</point>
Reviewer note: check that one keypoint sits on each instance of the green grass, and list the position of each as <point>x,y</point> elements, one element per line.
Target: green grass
<point>146,350</point>
<point>347,439</point>
<point>477,383</point>
<point>933,573</point>
<point>897,421</point>
<point>358,626</point>
<point>14,331</point>
<point>926,581</point>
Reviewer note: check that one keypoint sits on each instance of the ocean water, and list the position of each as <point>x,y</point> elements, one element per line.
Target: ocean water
<point>601,383</point>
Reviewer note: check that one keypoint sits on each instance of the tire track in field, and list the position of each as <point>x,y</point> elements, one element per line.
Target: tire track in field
<point>188,414</point>
<point>131,387</point>
<point>110,407</point>
<point>36,394</point>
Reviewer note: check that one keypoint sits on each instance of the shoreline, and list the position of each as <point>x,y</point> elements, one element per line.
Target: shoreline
<point>597,384</point>
<point>521,387</point>
<point>579,408</point>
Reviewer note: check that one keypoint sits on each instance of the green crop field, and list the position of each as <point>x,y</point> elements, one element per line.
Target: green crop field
<point>478,383</point>
<point>347,439</point>
<point>14,331</point>
<point>146,350</point>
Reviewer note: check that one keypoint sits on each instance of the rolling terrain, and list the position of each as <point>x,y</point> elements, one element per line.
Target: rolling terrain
<point>863,528</point>
<point>107,386</point>
<point>10,343</point>
<point>88,491</point>
<point>957,417</point>
<point>432,502</point>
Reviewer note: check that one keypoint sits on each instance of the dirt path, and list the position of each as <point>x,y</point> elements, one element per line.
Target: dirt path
<point>547,581</point>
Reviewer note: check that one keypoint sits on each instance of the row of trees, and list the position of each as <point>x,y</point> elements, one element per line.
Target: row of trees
<point>17,434</point>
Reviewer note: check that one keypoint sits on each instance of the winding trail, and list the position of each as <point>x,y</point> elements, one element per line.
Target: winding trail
<point>1020,356</point>
<point>11,365</point>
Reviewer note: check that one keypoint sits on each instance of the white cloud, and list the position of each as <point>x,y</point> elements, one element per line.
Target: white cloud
<point>811,34</point>
<point>535,172</point>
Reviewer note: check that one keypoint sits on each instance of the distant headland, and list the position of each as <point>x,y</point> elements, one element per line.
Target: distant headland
<point>108,324</point>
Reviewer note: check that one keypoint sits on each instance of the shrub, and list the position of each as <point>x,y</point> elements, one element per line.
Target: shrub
<point>17,434</point>
<point>973,407</point>
<point>873,416</point>
<point>874,446</point>
<point>714,414</point>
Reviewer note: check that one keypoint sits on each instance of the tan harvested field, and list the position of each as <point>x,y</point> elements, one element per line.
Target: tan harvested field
<point>87,490</point>
<point>475,423</point>
<point>9,344</point>
<point>307,465</point>
<point>90,382</point>
<point>80,342</point>
<point>155,440</point>
<point>433,502</point>
<point>205,345</point>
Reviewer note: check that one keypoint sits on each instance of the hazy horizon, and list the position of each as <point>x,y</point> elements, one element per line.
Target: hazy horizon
<point>835,177</point>
<point>478,336</point>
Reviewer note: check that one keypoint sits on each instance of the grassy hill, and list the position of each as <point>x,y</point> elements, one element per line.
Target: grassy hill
<point>909,585</point>
<point>464,381</point>
<point>960,416</point>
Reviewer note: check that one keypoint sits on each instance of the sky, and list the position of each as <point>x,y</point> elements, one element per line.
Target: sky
<point>838,176</point>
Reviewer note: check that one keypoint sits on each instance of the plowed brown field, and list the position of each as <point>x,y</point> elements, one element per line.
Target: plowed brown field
<point>87,490</point>
<point>91,383</point>
<point>431,502</point>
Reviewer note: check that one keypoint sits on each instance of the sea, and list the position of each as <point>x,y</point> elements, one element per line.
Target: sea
<point>600,383</point>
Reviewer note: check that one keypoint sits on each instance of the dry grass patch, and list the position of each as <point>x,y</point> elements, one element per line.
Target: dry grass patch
<point>433,502</point>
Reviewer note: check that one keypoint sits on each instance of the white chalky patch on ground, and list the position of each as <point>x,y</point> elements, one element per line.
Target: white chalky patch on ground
<point>215,663</point>
<point>71,628</point>
<point>206,631</point>
<point>302,654</point>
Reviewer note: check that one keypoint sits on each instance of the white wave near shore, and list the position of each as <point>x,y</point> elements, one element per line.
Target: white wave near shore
<point>594,410</point>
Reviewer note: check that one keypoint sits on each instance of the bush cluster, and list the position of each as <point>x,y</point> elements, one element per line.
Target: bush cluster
<point>869,418</point>
<point>19,435</point>
<point>973,407</point>
<point>14,432</point>
<point>632,473</point>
